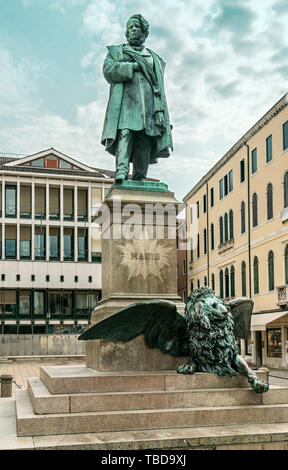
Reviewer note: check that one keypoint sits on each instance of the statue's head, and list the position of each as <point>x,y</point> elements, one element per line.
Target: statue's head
<point>137,30</point>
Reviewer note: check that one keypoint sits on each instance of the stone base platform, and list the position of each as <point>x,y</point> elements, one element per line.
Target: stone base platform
<point>165,408</point>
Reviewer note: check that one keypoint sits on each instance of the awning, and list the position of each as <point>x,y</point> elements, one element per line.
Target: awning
<point>259,322</point>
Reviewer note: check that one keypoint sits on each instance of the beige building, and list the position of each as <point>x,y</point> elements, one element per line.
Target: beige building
<point>237,216</point>
<point>50,277</point>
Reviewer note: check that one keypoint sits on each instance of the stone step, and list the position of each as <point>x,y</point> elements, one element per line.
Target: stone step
<point>81,379</point>
<point>30,424</point>
<point>44,402</point>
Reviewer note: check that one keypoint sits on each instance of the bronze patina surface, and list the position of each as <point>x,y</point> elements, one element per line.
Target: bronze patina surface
<point>136,127</point>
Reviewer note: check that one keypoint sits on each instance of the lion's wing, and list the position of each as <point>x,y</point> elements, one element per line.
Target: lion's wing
<point>162,325</point>
<point>241,310</point>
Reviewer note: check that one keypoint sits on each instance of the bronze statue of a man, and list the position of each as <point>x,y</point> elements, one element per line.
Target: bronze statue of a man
<point>136,127</point>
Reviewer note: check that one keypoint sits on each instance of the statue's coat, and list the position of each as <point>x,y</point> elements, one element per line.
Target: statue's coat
<point>117,72</point>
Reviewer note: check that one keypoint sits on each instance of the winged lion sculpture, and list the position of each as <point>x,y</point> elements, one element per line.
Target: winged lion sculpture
<point>206,333</point>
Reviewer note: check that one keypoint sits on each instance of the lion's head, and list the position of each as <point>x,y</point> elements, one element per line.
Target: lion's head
<point>206,309</point>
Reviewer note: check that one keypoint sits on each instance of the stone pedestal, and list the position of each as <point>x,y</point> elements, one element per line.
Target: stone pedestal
<point>139,263</point>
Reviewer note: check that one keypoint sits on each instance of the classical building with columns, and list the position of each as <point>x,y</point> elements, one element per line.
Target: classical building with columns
<point>50,277</point>
<point>237,224</point>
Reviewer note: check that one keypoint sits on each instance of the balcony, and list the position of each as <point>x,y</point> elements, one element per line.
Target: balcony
<point>282,296</point>
<point>226,245</point>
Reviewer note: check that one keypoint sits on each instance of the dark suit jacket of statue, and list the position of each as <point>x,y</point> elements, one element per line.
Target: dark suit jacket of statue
<point>118,72</point>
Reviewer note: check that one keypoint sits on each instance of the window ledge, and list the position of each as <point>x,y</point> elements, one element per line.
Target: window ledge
<point>226,245</point>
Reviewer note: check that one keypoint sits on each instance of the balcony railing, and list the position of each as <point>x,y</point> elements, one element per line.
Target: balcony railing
<point>282,296</point>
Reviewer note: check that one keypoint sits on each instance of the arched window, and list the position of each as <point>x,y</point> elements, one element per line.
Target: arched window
<point>271,270</point>
<point>286,189</point>
<point>243,217</point>
<point>227,283</point>
<point>226,230</point>
<point>231,225</point>
<point>256,275</point>
<point>198,283</point>
<point>221,230</point>
<point>243,278</point>
<point>198,246</point>
<point>213,281</point>
<point>286,264</point>
<point>232,281</point>
<point>205,280</point>
<point>269,201</point>
<point>212,237</point>
<point>255,210</point>
<point>191,286</point>
<point>221,283</point>
<point>205,241</point>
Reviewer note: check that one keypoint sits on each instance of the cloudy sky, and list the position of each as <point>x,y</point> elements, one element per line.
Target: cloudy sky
<point>227,64</point>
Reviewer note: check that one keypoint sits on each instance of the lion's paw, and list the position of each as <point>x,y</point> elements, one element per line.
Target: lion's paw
<point>186,369</point>
<point>259,386</point>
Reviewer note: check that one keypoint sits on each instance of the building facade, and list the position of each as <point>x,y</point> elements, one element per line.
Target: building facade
<point>181,259</point>
<point>237,217</point>
<point>50,278</point>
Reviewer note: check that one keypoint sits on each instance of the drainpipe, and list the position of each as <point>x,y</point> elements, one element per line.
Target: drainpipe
<point>249,218</point>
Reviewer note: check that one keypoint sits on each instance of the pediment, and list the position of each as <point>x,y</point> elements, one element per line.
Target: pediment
<point>51,159</point>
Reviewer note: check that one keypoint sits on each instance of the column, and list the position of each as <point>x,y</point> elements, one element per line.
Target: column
<point>18,198</point>
<point>33,199</point>
<point>61,201</point>
<point>89,234</point>
<point>47,201</point>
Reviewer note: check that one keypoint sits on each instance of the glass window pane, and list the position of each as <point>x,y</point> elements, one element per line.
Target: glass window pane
<point>24,303</point>
<point>254,160</point>
<point>10,201</point>
<point>269,149</point>
<point>38,162</point>
<point>39,303</point>
<point>285,135</point>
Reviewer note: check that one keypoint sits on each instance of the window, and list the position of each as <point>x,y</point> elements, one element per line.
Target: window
<point>68,244</point>
<point>254,161</point>
<point>221,192</point>
<point>227,283</point>
<point>205,281</point>
<point>285,135</point>
<point>2,277</point>
<point>191,249</point>
<point>61,278</point>
<point>32,277</point>
<point>198,209</point>
<point>191,214</point>
<point>82,245</point>
<point>221,283</point>
<point>184,266</point>
<point>47,278</point>
<point>256,275</point>
<point>38,162</point>
<point>205,241</point>
<point>271,270</point>
<point>212,237</point>
<point>38,303</point>
<point>286,189</point>
<point>25,242</point>
<point>40,202</point>
<point>232,281</point>
<point>18,277</point>
<point>40,243</point>
<point>198,284</point>
<point>204,203</point>
<point>269,149</point>
<point>10,242</point>
<point>254,210</point>
<point>230,180</point>
<point>211,197</point>
<point>191,286</point>
<point>24,303</point>
<point>226,231</point>
<point>89,278</point>
<point>54,245</point>
<point>10,201</point>
<point>213,281</point>
<point>243,217</point>
<point>269,201</point>
<point>243,278</point>
<point>242,170</point>
<point>221,230</point>
<point>198,246</point>
<point>231,225</point>
<point>75,278</point>
<point>226,188</point>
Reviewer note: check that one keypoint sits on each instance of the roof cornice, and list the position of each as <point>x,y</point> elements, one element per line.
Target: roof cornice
<point>276,109</point>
